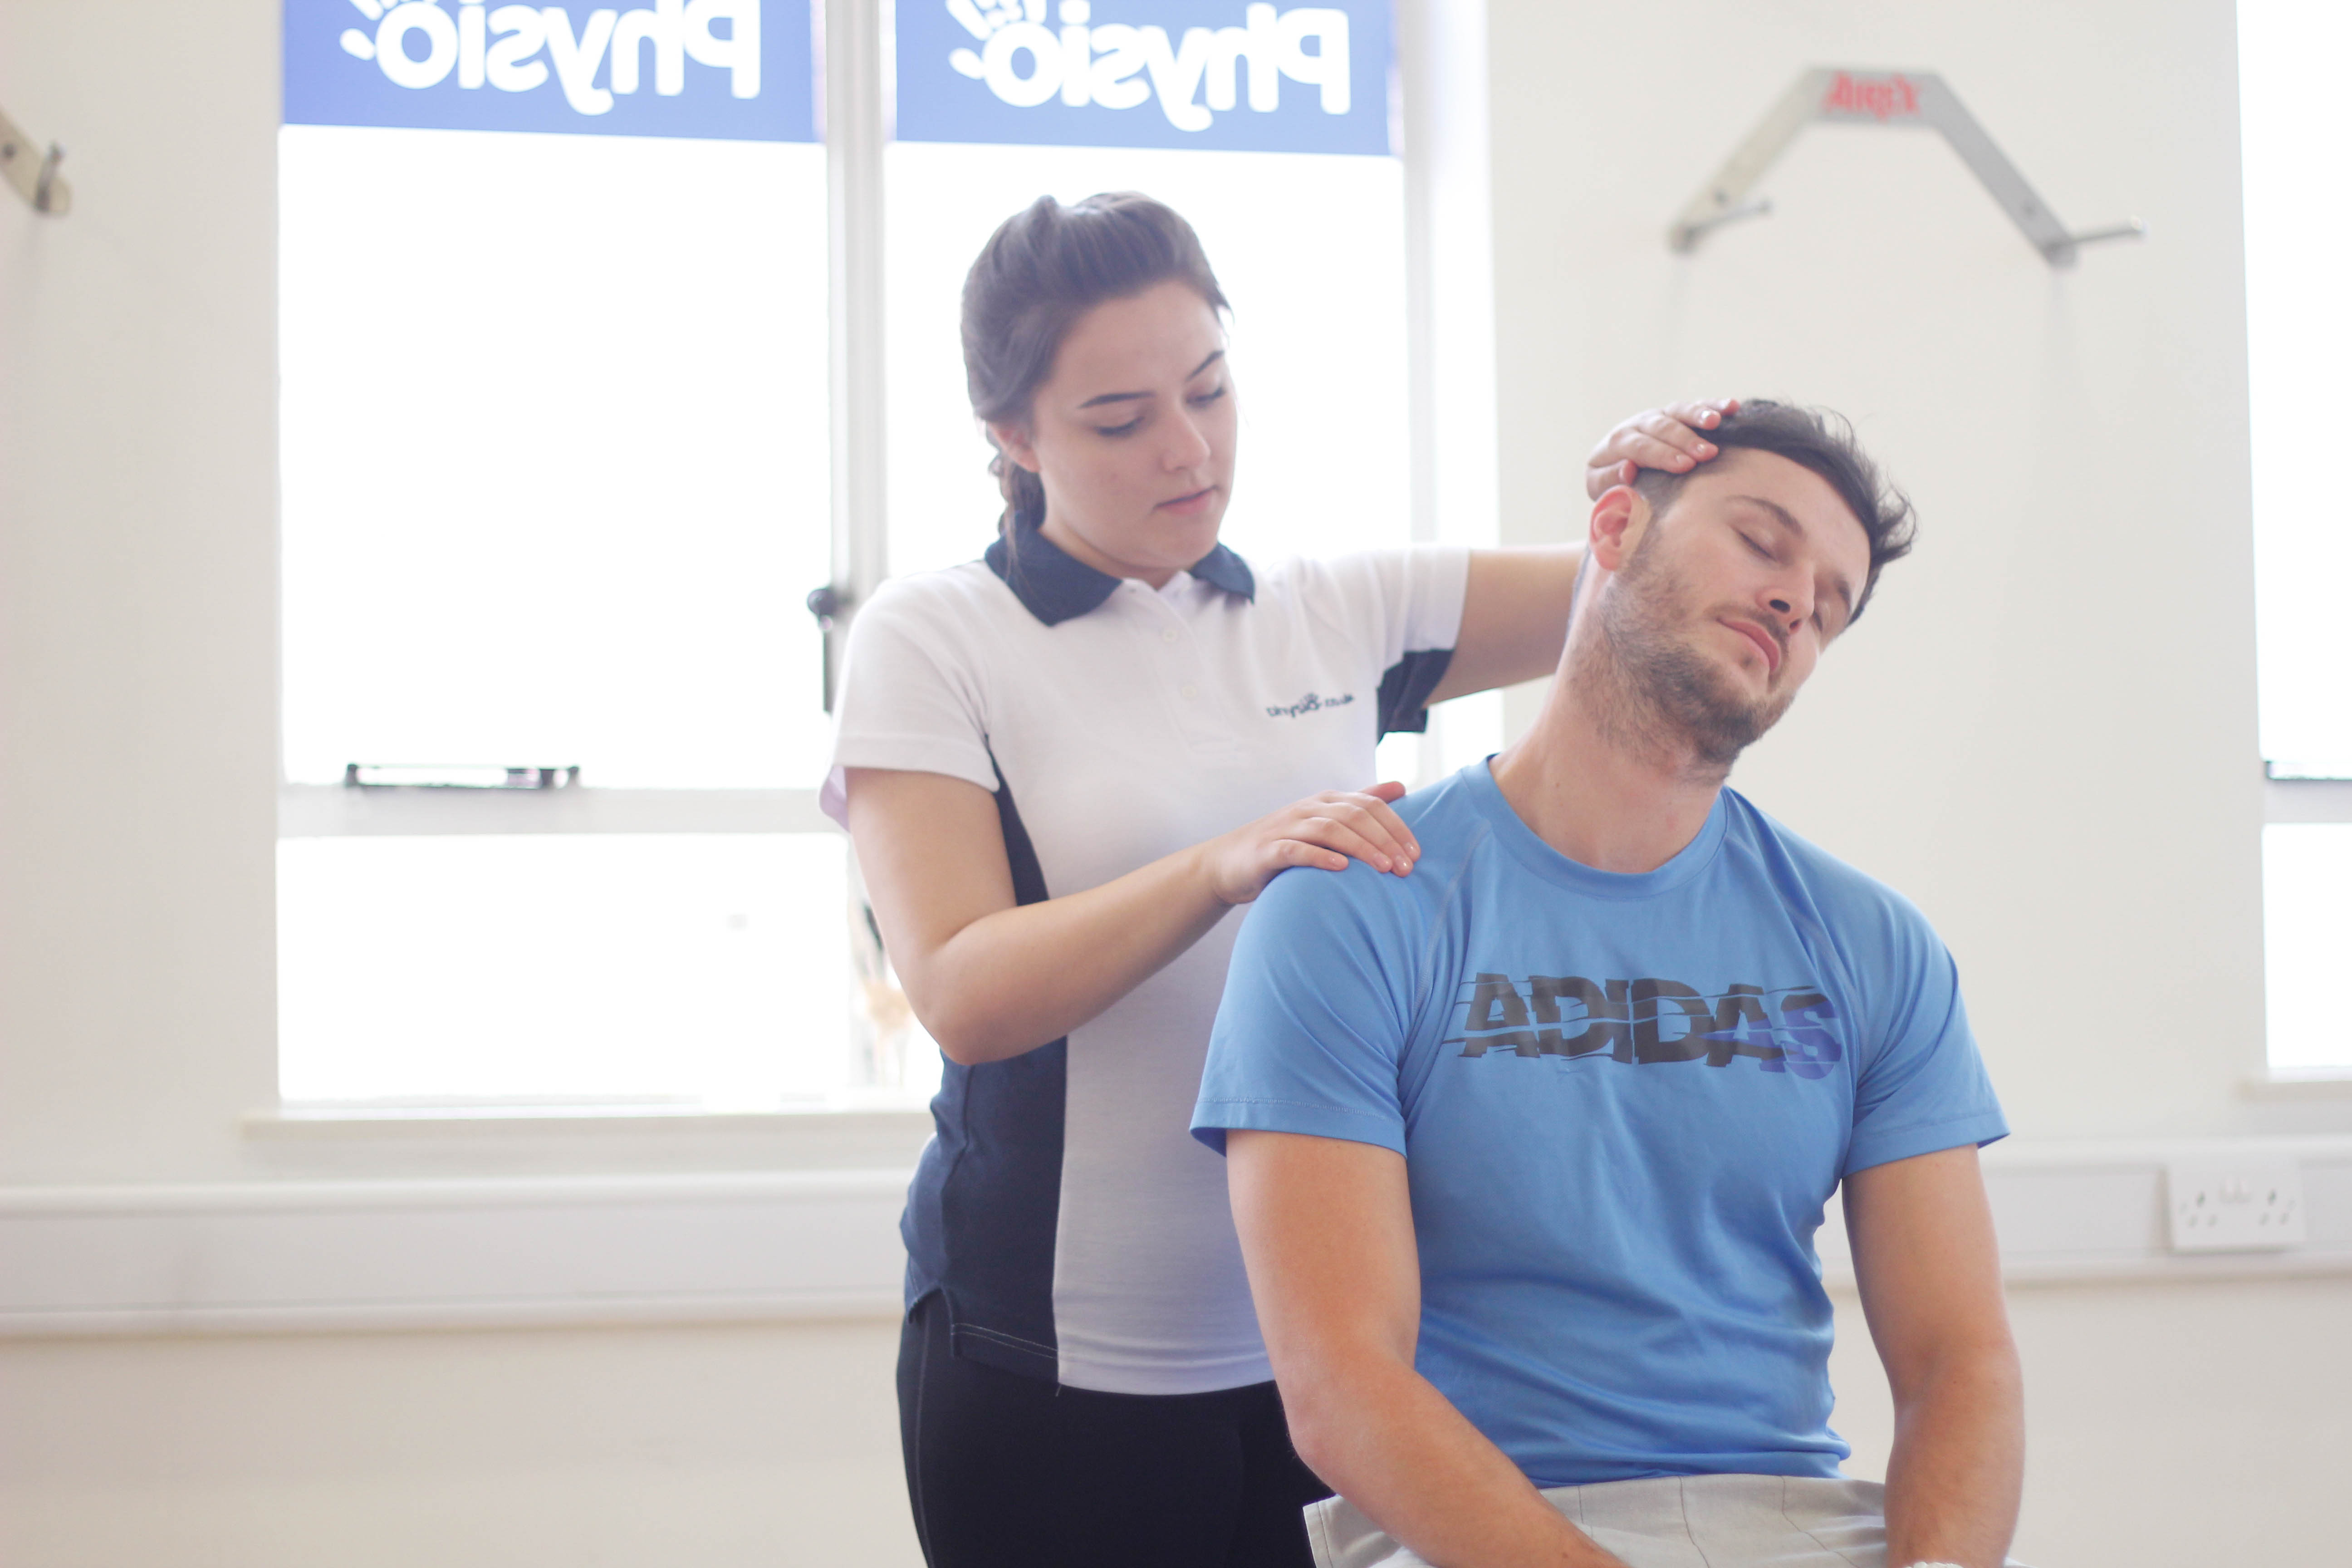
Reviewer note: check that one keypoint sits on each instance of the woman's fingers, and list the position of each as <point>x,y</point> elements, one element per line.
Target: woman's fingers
<point>1672,437</point>
<point>1331,834</point>
<point>1363,826</point>
<point>1374,806</point>
<point>1324,831</point>
<point>1287,852</point>
<point>1671,440</point>
<point>1705,413</point>
<point>1391,824</point>
<point>1670,454</point>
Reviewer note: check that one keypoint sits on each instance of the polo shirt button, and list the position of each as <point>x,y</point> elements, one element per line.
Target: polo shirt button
<point>1168,634</point>
<point>1191,691</point>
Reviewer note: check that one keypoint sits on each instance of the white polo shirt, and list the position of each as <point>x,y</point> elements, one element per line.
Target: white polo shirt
<point>1074,1227</point>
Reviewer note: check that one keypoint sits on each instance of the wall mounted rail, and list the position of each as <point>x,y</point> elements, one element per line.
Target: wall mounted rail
<point>1915,100</point>
<point>32,172</point>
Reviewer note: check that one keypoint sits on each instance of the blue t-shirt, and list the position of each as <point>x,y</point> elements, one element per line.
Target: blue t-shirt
<point>1622,1100</point>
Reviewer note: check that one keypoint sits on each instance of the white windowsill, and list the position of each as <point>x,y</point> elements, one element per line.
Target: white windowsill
<point>2315,1083</point>
<point>333,811</point>
<point>877,1111</point>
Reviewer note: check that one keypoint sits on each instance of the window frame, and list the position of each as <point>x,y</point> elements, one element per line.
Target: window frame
<point>2288,797</point>
<point>1450,364</point>
<point>2291,801</point>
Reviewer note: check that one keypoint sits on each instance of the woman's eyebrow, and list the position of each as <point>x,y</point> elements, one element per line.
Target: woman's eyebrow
<point>1137,396</point>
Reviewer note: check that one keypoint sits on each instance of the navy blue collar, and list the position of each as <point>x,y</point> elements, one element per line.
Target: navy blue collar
<point>1055,586</point>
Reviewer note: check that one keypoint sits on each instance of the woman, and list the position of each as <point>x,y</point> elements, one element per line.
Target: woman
<point>1042,757</point>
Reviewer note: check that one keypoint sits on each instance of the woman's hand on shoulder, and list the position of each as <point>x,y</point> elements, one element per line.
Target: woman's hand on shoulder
<point>1324,831</point>
<point>1668,439</point>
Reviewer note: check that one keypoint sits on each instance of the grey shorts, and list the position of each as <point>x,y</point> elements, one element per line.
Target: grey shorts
<point>1676,1521</point>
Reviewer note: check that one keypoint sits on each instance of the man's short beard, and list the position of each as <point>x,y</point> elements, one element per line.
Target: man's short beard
<point>1651,688</point>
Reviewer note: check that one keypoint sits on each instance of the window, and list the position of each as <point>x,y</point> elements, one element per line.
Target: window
<point>555,458</point>
<point>1269,131</point>
<point>2299,328</point>
<point>562,336</point>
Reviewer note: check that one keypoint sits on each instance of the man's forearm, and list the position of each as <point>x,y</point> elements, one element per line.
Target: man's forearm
<point>1953,1481</point>
<point>1381,1435</point>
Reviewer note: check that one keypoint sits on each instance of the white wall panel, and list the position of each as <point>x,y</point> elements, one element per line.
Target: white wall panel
<point>2042,731</point>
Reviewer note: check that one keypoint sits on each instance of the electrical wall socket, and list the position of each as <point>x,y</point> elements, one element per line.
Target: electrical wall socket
<point>2225,1205</point>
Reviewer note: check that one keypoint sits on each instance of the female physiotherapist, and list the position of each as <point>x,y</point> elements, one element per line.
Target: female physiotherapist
<point>1063,766</point>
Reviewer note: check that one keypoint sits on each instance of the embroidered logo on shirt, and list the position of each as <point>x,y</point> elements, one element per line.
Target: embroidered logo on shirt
<point>1785,1028</point>
<point>1310,704</point>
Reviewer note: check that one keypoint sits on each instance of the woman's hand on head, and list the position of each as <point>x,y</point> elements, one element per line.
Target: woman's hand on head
<point>1670,440</point>
<point>1325,831</point>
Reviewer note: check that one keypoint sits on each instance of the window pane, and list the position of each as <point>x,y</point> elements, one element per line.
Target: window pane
<point>554,444</point>
<point>713,968</point>
<point>2299,331</point>
<point>1300,208</point>
<point>2306,933</point>
<point>554,430</point>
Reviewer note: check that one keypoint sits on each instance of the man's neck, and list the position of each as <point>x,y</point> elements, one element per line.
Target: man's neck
<point>1601,780</point>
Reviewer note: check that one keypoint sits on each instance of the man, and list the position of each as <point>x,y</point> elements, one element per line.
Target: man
<point>1527,1150</point>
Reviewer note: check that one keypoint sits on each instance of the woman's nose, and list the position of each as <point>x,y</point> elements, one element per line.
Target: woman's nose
<point>1188,445</point>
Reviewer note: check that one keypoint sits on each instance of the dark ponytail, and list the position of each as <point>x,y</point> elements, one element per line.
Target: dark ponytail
<point>1046,265</point>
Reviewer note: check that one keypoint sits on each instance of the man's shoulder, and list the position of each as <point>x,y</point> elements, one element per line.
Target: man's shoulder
<point>1854,902</point>
<point>1449,827</point>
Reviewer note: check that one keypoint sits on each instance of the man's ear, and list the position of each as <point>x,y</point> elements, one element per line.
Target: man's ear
<point>1013,441</point>
<point>1620,518</point>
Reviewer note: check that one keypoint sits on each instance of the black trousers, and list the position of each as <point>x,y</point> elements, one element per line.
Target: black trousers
<point>1014,1471</point>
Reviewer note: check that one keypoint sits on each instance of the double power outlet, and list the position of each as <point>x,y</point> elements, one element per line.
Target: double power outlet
<point>2234,1205</point>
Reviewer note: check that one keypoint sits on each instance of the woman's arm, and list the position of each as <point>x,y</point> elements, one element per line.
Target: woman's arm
<point>990,979</point>
<point>1515,612</point>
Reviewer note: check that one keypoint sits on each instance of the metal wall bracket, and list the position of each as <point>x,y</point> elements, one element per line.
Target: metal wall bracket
<point>34,173</point>
<point>1852,97</point>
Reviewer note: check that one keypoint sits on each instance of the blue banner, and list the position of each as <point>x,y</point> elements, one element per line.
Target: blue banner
<point>1147,73</point>
<point>726,69</point>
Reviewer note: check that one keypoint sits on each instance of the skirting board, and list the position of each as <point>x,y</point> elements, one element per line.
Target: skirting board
<point>261,1257</point>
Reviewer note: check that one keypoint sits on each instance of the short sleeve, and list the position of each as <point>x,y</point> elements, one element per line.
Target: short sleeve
<point>1922,1084</point>
<point>1312,1028</point>
<point>909,697</point>
<point>1407,604</point>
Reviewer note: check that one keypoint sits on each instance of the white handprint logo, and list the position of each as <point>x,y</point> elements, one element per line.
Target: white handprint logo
<point>984,22</point>
<point>500,46</point>
<point>1025,63</point>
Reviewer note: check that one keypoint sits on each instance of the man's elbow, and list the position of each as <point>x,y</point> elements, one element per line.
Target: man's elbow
<point>1315,1428</point>
<point>1326,1401</point>
<point>1983,1369</point>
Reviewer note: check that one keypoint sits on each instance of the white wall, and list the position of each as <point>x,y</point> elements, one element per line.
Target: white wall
<point>717,1447</point>
<point>2043,732</point>
<point>138,571</point>
<point>2166,1426</point>
<point>138,776</point>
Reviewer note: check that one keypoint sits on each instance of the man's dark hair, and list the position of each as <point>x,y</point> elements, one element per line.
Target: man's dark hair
<point>1817,439</point>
